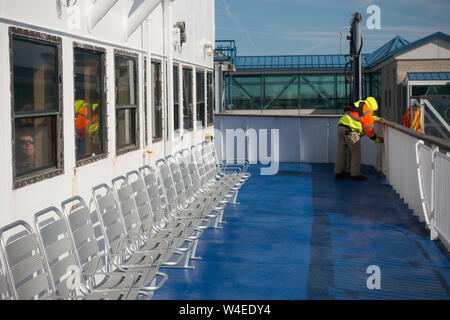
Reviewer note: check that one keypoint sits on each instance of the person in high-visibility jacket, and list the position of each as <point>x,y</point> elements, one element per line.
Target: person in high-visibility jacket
<point>354,124</point>
<point>86,124</point>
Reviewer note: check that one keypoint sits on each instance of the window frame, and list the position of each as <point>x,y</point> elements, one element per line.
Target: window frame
<point>160,62</point>
<point>186,105</point>
<point>104,118</point>
<point>211,103</point>
<point>202,73</point>
<point>45,173</point>
<point>132,147</point>
<point>145,98</point>
<point>176,92</point>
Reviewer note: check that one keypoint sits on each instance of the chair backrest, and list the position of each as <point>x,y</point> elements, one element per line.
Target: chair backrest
<point>208,158</point>
<point>24,262</point>
<point>177,179</point>
<point>143,204</point>
<point>192,165</point>
<point>213,153</point>
<point>58,248</point>
<point>5,291</point>
<point>85,241</point>
<point>110,217</point>
<point>201,166</point>
<point>127,205</point>
<point>156,193</point>
<point>185,174</point>
<point>169,185</point>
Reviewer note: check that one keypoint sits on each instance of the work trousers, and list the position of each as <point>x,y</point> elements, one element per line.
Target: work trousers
<point>348,153</point>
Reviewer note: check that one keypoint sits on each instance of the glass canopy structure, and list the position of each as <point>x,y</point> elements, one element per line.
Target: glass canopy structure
<point>296,90</point>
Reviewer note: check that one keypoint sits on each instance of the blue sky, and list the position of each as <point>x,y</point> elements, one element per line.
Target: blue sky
<point>276,27</point>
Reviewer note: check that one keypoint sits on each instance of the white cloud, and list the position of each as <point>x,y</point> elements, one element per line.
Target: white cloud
<point>310,49</point>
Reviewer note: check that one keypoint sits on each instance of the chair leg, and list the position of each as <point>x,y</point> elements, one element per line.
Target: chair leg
<point>183,263</point>
<point>194,250</point>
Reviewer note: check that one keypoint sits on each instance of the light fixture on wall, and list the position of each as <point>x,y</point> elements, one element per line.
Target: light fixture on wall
<point>182,26</point>
<point>179,35</point>
<point>208,49</point>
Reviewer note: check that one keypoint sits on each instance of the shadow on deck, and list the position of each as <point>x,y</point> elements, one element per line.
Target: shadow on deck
<point>303,235</point>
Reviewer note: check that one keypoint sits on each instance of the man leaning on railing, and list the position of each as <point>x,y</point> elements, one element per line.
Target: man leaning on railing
<point>357,121</point>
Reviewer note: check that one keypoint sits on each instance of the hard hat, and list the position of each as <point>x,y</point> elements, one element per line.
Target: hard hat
<point>79,104</point>
<point>372,103</point>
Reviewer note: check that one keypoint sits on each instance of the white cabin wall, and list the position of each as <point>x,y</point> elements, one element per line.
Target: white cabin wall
<point>111,29</point>
<point>198,30</point>
<point>433,50</point>
<point>6,213</point>
<point>109,34</point>
<point>156,30</point>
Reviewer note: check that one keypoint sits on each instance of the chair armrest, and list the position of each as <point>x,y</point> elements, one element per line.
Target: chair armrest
<point>160,284</point>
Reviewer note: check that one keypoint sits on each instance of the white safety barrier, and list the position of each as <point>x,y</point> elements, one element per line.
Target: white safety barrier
<point>420,174</point>
<point>441,221</point>
<point>402,168</point>
<point>424,160</point>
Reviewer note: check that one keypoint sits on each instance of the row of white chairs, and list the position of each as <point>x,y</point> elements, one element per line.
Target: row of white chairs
<point>115,246</point>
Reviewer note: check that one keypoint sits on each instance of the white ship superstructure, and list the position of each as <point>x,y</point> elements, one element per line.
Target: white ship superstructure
<point>146,67</point>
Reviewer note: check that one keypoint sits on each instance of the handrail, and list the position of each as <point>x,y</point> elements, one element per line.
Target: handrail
<point>278,115</point>
<point>439,142</point>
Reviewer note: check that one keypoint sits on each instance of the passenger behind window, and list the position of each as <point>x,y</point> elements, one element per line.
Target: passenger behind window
<point>24,150</point>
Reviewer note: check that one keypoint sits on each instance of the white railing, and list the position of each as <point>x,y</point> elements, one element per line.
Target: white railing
<point>402,168</point>
<point>420,173</point>
<point>441,212</point>
<point>425,172</point>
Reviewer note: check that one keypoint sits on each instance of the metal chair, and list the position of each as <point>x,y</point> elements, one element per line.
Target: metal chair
<point>25,264</point>
<point>147,239</point>
<point>66,272</point>
<point>121,239</point>
<point>155,221</point>
<point>5,291</point>
<point>180,209</point>
<point>192,178</point>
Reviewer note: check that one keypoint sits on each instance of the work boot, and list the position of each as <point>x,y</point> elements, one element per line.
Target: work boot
<point>360,177</point>
<point>340,175</point>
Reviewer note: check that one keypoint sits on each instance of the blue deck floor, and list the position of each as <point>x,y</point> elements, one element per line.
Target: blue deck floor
<point>303,235</point>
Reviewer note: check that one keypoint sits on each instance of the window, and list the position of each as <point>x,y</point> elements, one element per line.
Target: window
<point>210,98</point>
<point>145,104</point>
<point>126,103</point>
<point>246,92</point>
<point>36,106</point>
<point>90,107</point>
<point>281,92</point>
<point>157,101</point>
<point>176,98</point>
<point>287,91</point>
<point>200,82</point>
<point>188,108</point>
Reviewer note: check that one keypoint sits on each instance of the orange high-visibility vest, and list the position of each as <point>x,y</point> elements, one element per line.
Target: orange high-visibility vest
<point>362,124</point>
<point>82,122</point>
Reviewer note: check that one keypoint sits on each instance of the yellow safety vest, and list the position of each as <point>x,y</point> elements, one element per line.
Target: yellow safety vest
<point>353,124</point>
